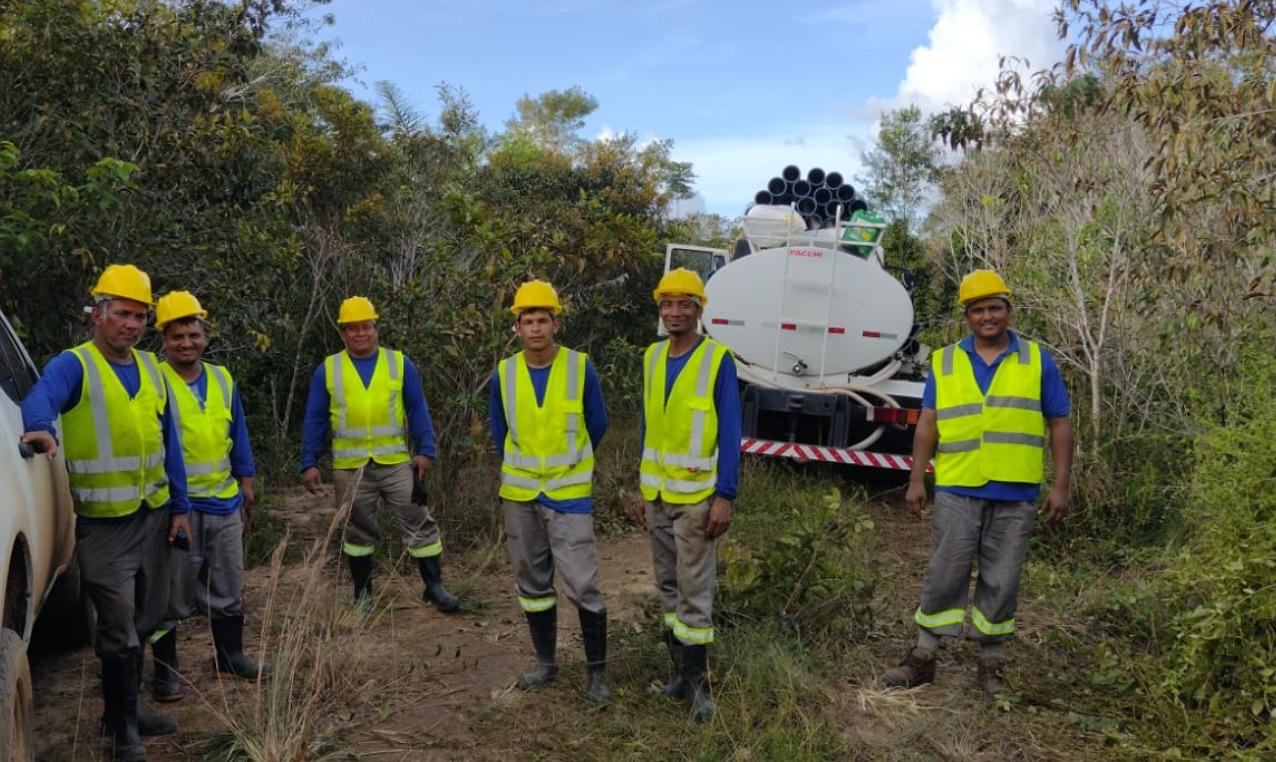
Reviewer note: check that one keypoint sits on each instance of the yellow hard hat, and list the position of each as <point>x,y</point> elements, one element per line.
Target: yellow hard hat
<point>356,309</point>
<point>536,294</point>
<point>681,281</point>
<point>176,305</point>
<point>124,282</point>
<point>981,284</point>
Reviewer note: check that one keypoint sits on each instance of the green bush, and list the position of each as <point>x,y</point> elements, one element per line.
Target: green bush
<point>798,554</point>
<point>1221,639</point>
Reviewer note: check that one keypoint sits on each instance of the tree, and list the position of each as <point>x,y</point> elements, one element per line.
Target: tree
<point>552,119</point>
<point>900,168</point>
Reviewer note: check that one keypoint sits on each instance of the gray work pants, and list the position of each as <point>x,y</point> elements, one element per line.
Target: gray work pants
<point>124,567</point>
<point>209,578</point>
<point>364,488</point>
<point>964,529</point>
<point>685,564</point>
<point>541,540</point>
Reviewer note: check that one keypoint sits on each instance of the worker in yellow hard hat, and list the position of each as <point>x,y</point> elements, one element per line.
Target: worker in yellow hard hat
<point>688,476</point>
<point>991,403</point>
<point>539,397</point>
<point>209,577</point>
<point>128,481</point>
<point>368,397</point>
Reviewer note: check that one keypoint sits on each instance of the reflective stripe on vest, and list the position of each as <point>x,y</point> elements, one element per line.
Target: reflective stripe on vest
<point>547,447</point>
<point>206,439</point>
<point>680,448</point>
<point>367,421</point>
<point>999,436</point>
<point>115,444</point>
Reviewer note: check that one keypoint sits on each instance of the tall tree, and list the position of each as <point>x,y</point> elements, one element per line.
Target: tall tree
<point>900,167</point>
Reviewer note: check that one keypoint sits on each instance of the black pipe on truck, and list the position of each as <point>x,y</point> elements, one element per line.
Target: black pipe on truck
<point>802,189</point>
<point>777,186</point>
<point>845,193</point>
<point>833,180</point>
<point>763,197</point>
<point>806,206</point>
<point>792,173</point>
<point>822,196</point>
<point>857,205</point>
<point>815,176</point>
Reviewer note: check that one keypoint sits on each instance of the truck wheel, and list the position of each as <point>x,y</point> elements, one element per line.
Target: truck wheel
<point>17,739</point>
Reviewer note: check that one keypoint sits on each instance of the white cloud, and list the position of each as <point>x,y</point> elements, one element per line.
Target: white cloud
<point>965,43</point>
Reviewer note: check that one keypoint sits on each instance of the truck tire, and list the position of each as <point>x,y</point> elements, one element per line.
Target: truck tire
<point>68,619</point>
<point>17,738</point>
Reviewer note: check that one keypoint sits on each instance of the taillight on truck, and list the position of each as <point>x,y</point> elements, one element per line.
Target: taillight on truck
<point>899,416</point>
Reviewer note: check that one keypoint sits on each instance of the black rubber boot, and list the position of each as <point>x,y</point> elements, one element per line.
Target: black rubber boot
<point>593,630</point>
<point>149,723</point>
<point>361,575</point>
<point>165,686</point>
<point>676,687</point>
<point>119,709</point>
<point>432,575</point>
<point>695,662</point>
<point>544,628</point>
<point>228,650</point>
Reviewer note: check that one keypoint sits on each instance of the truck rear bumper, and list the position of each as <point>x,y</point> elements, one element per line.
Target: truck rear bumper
<point>805,452</point>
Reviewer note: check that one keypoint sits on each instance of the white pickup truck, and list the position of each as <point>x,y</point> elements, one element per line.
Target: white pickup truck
<point>37,544</point>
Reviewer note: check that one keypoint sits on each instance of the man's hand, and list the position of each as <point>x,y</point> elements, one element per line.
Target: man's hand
<point>638,509</point>
<point>1056,505</point>
<point>421,465</point>
<point>719,517</point>
<point>42,440</point>
<point>178,523</point>
<point>915,497</point>
<point>250,496</point>
<point>312,480</point>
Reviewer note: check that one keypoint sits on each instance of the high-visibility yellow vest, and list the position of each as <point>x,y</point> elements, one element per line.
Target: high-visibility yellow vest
<point>547,447</point>
<point>114,443</point>
<point>206,439</point>
<point>367,422</point>
<point>995,437</point>
<point>680,447</point>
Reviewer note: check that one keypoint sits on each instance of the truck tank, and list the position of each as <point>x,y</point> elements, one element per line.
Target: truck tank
<point>822,332</point>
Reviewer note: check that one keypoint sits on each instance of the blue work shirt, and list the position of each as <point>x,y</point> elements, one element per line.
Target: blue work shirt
<point>726,401</point>
<point>241,452</point>
<point>316,425</point>
<point>595,423</point>
<point>1054,404</point>
<point>59,390</point>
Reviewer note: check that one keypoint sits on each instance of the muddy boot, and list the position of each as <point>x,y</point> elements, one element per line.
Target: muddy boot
<point>432,575</point>
<point>916,669</point>
<point>676,687</point>
<point>695,663</point>
<point>165,686</point>
<point>593,629</point>
<point>149,723</point>
<point>992,678</point>
<point>119,709</point>
<point>361,576</point>
<point>228,650</point>
<point>544,628</point>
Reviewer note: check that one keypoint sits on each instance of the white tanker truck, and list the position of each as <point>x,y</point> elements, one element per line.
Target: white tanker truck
<point>823,336</point>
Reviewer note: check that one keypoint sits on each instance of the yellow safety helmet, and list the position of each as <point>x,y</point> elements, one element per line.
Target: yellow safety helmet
<point>356,309</point>
<point>176,305</point>
<point>536,294</point>
<point>124,282</point>
<point>982,284</point>
<point>681,281</point>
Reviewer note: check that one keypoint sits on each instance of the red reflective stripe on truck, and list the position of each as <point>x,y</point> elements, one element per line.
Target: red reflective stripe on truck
<point>837,329</point>
<point>802,452</point>
<point>788,326</point>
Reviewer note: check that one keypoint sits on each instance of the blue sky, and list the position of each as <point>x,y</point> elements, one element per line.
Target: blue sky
<point>742,88</point>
